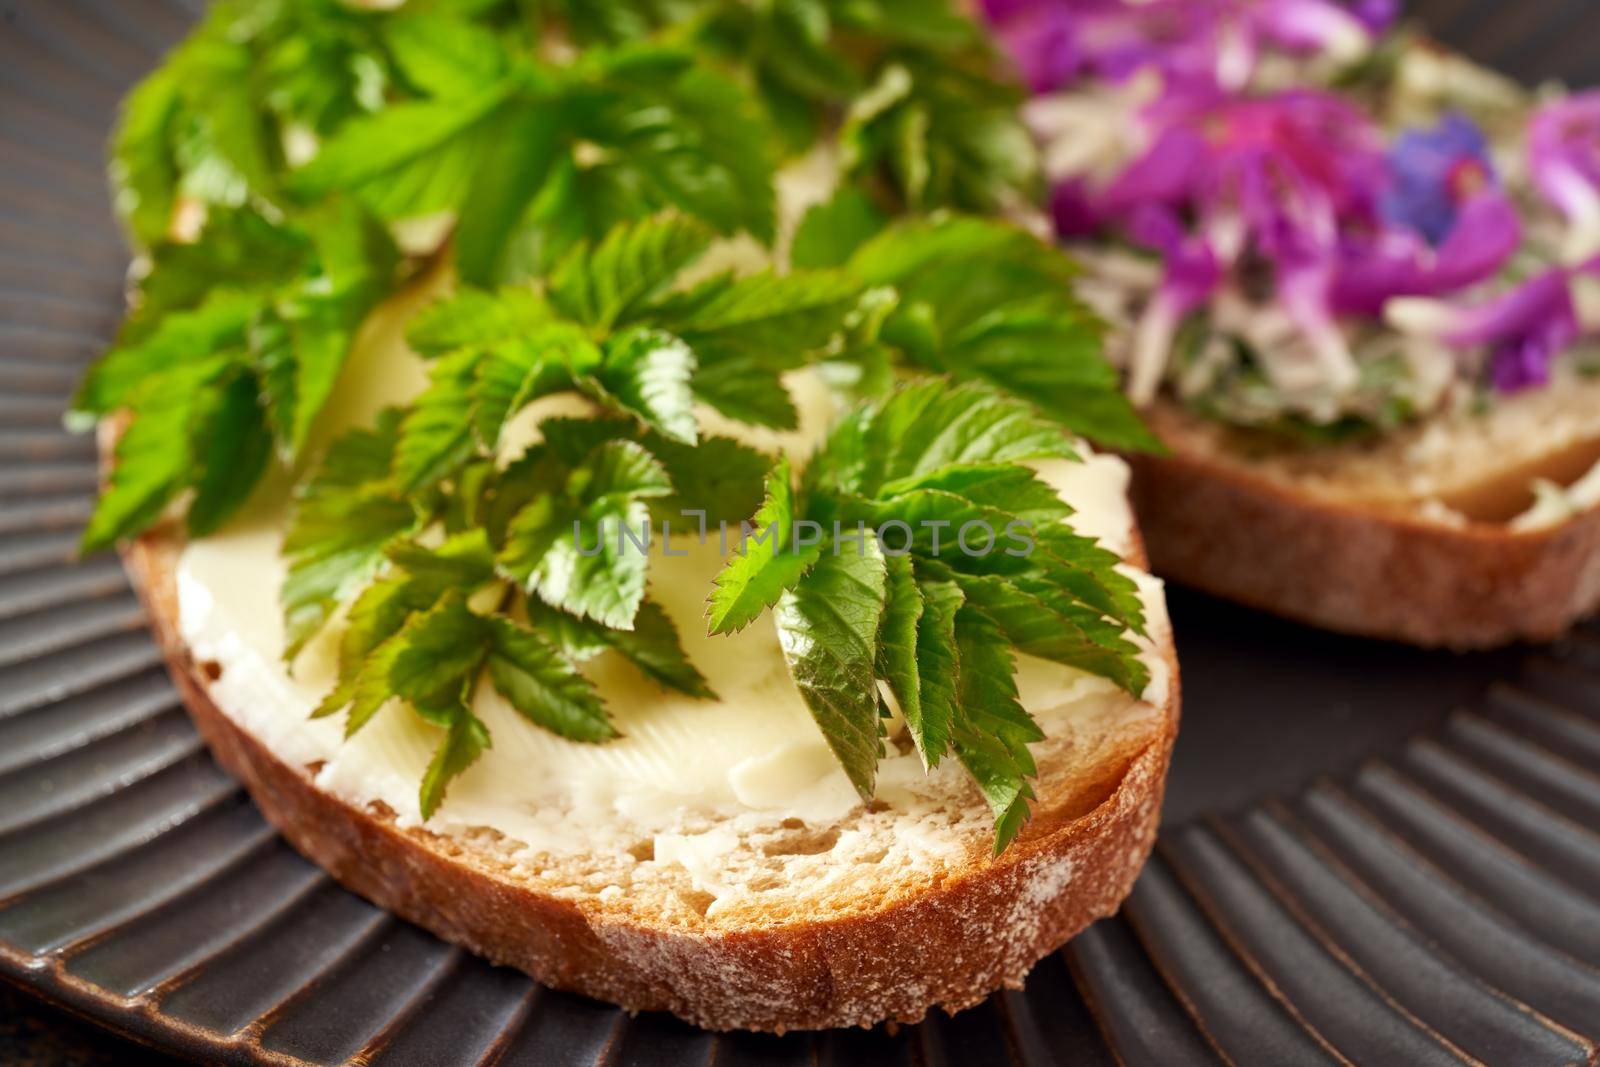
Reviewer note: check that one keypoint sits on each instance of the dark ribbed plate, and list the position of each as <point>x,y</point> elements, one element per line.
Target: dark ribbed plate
<point>1432,897</point>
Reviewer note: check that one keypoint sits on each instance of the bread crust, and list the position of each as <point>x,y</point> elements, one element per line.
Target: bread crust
<point>1217,525</point>
<point>950,944</point>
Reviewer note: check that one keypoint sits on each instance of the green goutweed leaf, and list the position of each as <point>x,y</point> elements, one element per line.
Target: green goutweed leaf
<point>828,626</point>
<point>769,560</point>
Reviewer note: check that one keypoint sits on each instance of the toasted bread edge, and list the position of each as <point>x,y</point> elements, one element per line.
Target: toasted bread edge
<point>1222,529</point>
<point>951,945</point>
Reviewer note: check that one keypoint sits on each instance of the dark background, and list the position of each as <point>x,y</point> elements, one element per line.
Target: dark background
<point>1243,675</point>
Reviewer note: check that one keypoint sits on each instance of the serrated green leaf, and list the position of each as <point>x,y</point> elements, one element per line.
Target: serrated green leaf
<point>295,343</point>
<point>356,254</point>
<point>980,299</point>
<point>796,65</point>
<point>234,447</point>
<point>684,136</point>
<point>144,174</point>
<point>421,577</point>
<point>368,690</point>
<point>465,740</point>
<point>938,671</point>
<point>320,337</point>
<point>1113,593</point>
<point>572,439</point>
<point>605,503</point>
<point>154,457</point>
<point>238,251</point>
<point>1001,781</point>
<point>544,686</point>
<point>607,587</point>
<point>436,434</point>
<point>941,457</point>
<point>358,456</point>
<point>183,337</point>
<point>1048,627</point>
<point>464,560</point>
<point>652,646</point>
<point>1077,576</point>
<point>409,159</point>
<point>578,203</point>
<point>931,425</point>
<point>444,56</point>
<point>745,332</point>
<point>377,614</point>
<point>537,477</point>
<point>1054,357</point>
<point>768,562</point>
<point>338,527</point>
<point>522,149</point>
<point>505,378</point>
<point>725,171</point>
<point>647,373</point>
<point>476,318</point>
<point>929,260</point>
<point>992,731</point>
<point>604,578</point>
<point>944,132</point>
<point>798,311</point>
<point>466,507</point>
<point>606,283</point>
<point>272,358</point>
<point>441,647</point>
<point>319,64</point>
<point>746,388</point>
<point>828,628</point>
<point>220,89</point>
<point>616,21</point>
<point>718,476</point>
<point>337,544</point>
<point>513,374</point>
<point>831,231</point>
<point>809,57</point>
<point>619,470</point>
<point>951,528</point>
<point>1003,487</point>
<point>897,640</point>
<point>1030,546</point>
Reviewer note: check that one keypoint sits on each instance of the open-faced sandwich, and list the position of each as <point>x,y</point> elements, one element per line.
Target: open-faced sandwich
<point>1355,281</point>
<point>681,578</point>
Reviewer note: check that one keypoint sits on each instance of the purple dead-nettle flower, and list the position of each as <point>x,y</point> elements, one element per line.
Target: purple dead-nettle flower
<point>1056,42</point>
<point>1434,172</point>
<point>1564,158</point>
<point>1072,210</point>
<point>1315,27</point>
<point>1192,276</point>
<point>1190,42</point>
<point>1378,16</point>
<point>1269,182</point>
<point>1391,262</point>
<point>1525,330</point>
<point>1446,222</point>
<point>1520,332</point>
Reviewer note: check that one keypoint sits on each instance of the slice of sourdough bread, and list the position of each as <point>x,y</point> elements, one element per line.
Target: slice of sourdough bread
<point>1430,535</point>
<point>880,914</point>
